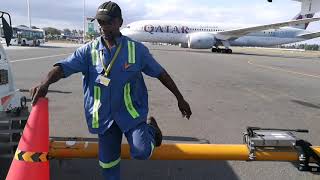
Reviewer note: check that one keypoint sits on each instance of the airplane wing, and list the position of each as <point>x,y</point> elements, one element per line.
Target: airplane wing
<point>309,35</point>
<point>236,33</point>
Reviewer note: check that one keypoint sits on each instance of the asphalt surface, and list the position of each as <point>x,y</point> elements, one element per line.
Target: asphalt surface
<point>227,93</point>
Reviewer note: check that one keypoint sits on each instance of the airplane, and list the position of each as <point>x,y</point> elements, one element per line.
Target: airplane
<point>197,35</point>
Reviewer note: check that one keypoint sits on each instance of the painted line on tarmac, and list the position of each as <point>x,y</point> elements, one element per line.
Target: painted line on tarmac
<point>258,94</point>
<point>283,70</point>
<point>37,58</point>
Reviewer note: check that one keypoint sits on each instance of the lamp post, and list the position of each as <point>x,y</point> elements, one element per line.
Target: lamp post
<point>84,19</point>
<point>29,18</point>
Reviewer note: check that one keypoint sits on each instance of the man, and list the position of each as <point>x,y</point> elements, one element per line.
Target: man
<point>115,95</point>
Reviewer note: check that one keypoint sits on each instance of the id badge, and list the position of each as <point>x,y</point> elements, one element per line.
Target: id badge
<point>103,80</point>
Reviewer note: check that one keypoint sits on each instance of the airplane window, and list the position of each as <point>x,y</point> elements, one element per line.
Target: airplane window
<point>128,26</point>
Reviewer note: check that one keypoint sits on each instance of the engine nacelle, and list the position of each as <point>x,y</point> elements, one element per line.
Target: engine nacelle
<point>201,40</point>
<point>183,45</point>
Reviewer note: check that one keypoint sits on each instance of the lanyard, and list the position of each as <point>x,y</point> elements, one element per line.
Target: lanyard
<point>107,70</point>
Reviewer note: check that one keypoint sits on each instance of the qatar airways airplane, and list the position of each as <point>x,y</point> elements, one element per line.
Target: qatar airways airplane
<point>198,35</point>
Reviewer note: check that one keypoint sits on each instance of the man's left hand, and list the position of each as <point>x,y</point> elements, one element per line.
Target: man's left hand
<point>184,108</point>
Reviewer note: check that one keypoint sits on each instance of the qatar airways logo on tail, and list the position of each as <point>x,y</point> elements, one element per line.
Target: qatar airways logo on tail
<point>166,29</point>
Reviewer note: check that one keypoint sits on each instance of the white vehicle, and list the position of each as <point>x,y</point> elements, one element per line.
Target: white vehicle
<point>11,99</point>
<point>197,35</point>
<point>13,108</point>
<point>26,36</point>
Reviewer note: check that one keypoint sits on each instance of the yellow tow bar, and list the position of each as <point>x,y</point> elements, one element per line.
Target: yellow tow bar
<point>65,148</point>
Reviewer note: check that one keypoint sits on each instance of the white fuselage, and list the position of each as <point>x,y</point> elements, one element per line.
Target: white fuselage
<point>179,32</point>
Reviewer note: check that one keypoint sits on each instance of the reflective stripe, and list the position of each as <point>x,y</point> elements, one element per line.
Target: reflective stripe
<point>31,156</point>
<point>94,52</point>
<point>131,52</point>
<point>110,164</point>
<point>152,148</point>
<point>96,106</point>
<point>127,100</point>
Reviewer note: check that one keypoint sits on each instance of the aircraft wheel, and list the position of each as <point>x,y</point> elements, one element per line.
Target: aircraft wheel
<point>213,50</point>
<point>223,50</point>
<point>229,51</point>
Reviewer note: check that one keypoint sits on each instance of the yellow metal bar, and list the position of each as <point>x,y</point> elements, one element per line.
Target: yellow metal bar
<point>89,149</point>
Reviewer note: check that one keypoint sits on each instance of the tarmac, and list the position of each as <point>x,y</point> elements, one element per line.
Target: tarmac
<point>227,92</point>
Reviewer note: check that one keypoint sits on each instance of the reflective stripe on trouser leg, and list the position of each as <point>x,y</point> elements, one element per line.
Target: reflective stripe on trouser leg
<point>152,148</point>
<point>128,102</point>
<point>110,164</point>
<point>96,106</point>
<point>110,152</point>
<point>131,52</point>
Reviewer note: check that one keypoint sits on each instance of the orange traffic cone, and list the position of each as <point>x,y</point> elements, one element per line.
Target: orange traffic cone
<point>30,161</point>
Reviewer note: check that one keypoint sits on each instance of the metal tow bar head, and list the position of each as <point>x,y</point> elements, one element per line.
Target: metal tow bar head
<point>262,139</point>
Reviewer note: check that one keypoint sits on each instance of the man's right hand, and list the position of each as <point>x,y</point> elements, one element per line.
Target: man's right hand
<point>41,90</point>
<point>37,92</point>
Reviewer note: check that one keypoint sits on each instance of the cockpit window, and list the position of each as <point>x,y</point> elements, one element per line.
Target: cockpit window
<point>128,27</point>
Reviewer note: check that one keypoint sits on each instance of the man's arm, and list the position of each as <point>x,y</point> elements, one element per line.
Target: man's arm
<point>76,62</point>
<point>167,81</point>
<point>42,89</point>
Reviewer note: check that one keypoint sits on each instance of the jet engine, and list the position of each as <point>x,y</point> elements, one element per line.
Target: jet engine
<point>201,40</point>
<point>183,45</point>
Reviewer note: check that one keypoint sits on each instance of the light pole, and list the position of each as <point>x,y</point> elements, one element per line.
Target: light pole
<point>84,19</point>
<point>29,18</point>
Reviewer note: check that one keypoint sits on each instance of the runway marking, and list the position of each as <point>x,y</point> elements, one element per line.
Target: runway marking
<point>281,93</point>
<point>36,58</point>
<point>283,70</point>
<point>260,95</point>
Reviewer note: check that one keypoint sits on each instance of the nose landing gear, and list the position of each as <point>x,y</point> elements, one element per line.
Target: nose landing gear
<point>218,50</point>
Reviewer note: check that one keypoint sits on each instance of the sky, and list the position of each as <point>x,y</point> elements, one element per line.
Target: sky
<point>63,14</point>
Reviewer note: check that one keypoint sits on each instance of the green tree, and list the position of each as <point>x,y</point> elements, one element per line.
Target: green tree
<point>66,31</point>
<point>52,31</point>
<point>74,32</point>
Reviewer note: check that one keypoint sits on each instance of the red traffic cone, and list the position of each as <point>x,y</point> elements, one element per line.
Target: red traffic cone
<point>30,160</point>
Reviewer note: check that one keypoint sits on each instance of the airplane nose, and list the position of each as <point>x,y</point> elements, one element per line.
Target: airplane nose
<point>125,31</point>
<point>128,32</point>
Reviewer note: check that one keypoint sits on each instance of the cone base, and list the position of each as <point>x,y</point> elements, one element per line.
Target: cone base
<point>21,170</point>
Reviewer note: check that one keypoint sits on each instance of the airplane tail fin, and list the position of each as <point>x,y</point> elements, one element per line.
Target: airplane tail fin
<point>308,10</point>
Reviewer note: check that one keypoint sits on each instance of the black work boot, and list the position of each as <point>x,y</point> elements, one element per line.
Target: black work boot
<point>158,134</point>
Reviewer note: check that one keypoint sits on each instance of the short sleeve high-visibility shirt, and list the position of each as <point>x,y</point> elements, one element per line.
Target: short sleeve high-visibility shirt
<point>125,99</point>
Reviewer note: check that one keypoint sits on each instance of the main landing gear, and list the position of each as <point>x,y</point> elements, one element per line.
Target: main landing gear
<point>218,50</point>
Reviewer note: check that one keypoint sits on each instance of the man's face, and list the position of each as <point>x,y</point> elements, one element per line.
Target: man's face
<point>109,28</point>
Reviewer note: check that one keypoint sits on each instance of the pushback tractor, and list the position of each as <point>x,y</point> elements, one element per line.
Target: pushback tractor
<point>13,109</point>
